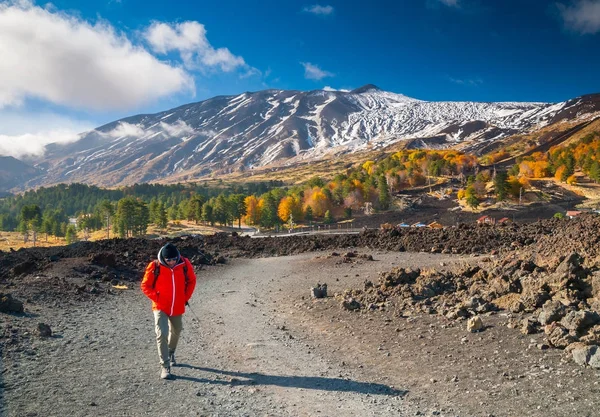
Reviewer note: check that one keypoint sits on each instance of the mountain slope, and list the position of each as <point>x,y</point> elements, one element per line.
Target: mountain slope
<point>251,130</point>
<point>14,172</point>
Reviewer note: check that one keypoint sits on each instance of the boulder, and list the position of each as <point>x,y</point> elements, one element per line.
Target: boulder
<point>8,304</point>
<point>474,324</point>
<point>319,291</point>
<point>592,337</point>
<point>558,336</point>
<point>580,321</point>
<point>44,330</point>
<point>552,311</point>
<point>587,356</point>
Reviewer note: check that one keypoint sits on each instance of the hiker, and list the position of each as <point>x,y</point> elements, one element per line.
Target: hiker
<point>169,282</point>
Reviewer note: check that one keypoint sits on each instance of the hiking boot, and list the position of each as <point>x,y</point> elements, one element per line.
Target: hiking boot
<point>165,373</point>
<point>172,359</point>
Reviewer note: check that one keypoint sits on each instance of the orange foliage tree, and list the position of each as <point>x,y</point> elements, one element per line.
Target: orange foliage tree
<point>253,208</point>
<point>317,200</point>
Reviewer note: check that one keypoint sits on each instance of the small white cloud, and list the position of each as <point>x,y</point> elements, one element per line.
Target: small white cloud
<point>177,129</point>
<point>180,128</point>
<point>450,3</point>
<point>313,72</point>
<point>319,10</point>
<point>64,60</point>
<point>190,41</point>
<point>583,16</point>
<point>467,81</point>
<point>126,130</point>
<point>328,88</point>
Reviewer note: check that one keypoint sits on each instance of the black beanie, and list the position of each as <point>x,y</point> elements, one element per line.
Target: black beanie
<point>169,251</point>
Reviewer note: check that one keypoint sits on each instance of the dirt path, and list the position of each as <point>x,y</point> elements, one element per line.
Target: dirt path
<point>255,344</point>
<point>237,360</point>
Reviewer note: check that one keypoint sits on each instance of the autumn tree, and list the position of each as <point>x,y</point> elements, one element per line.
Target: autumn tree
<point>252,216</point>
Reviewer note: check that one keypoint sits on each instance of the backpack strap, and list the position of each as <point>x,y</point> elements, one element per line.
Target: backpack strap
<point>185,274</point>
<point>156,272</point>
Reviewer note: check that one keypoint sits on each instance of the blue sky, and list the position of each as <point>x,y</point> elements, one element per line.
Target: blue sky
<point>69,66</point>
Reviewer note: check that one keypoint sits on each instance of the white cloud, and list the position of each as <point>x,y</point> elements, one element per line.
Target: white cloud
<point>42,128</point>
<point>450,3</point>
<point>583,16</point>
<point>328,88</point>
<point>32,144</point>
<point>313,72</point>
<point>177,129</point>
<point>466,81</point>
<point>319,10</point>
<point>61,59</point>
<point>124,129</point>
<point>189,39</point>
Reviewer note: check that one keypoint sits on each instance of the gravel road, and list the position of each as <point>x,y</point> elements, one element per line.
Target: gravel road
<point>236,358</point>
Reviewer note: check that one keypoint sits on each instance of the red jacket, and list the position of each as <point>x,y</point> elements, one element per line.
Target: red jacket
<point>171,291</point>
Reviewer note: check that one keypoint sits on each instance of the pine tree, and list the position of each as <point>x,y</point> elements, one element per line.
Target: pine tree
<point>384,193</point>
<point>501,185</point>
<point>71,235</point>
<point>308,214</point>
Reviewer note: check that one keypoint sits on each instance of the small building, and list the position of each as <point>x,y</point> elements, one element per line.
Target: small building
<point>573,213</point>
<point>419,224</point>
<point>403,225</point>
<point>486,220</point>
<point>504,220</point>
<point>435,225</point>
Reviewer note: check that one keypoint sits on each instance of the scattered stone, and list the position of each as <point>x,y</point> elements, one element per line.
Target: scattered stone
<point>351,304</point>
<point>474,324</point>
<point>44,330</point>
<point>528,326</point>
<point>319,291</point>
<point>8,304</point>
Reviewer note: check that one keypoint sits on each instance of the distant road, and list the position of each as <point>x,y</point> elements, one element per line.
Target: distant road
<point>314,230</point>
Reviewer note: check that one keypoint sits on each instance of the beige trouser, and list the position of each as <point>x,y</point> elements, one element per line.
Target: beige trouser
<point>168,328</point>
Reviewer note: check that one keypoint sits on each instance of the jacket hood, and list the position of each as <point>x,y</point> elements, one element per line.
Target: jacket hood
<point>161,259</point>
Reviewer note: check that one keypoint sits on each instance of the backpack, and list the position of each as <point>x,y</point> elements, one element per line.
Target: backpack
<point>157,273</point>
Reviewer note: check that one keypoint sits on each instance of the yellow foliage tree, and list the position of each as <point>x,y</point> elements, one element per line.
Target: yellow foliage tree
<point>559,172</point>
<point>317,199</point>
<point>368,166</point>
<point>253,208</point>
<point>524,181</point>
<point>572,180</point>
<point>285,208</point>
<point>540,169</point>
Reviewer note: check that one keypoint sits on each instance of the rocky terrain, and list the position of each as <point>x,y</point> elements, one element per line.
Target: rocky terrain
<point>537,280</point>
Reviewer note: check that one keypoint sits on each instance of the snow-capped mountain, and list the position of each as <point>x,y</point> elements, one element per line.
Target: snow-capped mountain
<point>251,130</point>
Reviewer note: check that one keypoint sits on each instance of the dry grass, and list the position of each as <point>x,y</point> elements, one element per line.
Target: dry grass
<point>15,241</point>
